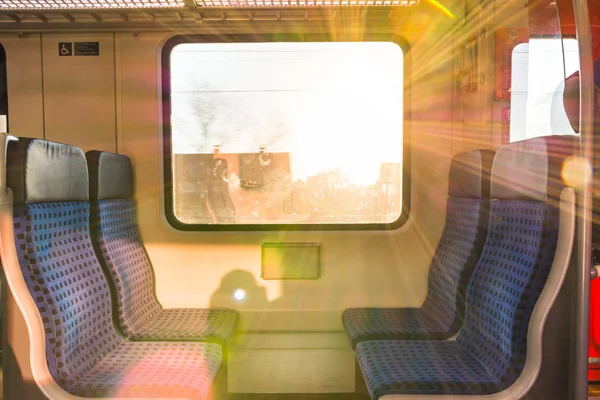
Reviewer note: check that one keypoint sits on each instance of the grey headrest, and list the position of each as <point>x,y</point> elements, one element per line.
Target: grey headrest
<point>470,174</point>
<point>531,169</point>
<point>111,175</point>
<point>40,171</point>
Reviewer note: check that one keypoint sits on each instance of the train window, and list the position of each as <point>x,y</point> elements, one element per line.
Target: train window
<point>294,134</point>
<point>538,74</point>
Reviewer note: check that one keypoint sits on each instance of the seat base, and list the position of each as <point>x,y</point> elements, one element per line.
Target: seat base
<point>422,367</point>
<point>189,324</point>
<point>153,369</point>
<point>362,324</point>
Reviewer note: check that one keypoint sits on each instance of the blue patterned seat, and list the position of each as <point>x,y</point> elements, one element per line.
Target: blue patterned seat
<point>421,367</point>
<point>455,257</point>
<point>152,369</point>
<point>85,354</point>
<point>122,253</point>
<point>490,352</point>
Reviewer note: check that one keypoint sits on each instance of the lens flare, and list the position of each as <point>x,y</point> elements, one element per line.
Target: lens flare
<point>576,172</point>
<point>239,294</point>
<point>442,8</point>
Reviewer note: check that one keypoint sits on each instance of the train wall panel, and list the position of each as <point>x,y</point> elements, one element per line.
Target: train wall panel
<point>25,84</point>
<point>79,90</point>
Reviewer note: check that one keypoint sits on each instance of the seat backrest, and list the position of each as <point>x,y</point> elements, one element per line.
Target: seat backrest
<point>51,217</point>
<point>462,239</point>
<point>518,253</point>
<point>115,235</point>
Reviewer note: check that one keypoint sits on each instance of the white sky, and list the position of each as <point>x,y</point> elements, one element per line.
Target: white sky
<point>330,104</point>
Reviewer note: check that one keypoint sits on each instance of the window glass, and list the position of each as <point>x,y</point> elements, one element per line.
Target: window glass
<point>287,133</point>
<point>538,74</point>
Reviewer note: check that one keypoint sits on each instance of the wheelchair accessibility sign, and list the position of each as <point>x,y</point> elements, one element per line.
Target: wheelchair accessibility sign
<point>65,49</point>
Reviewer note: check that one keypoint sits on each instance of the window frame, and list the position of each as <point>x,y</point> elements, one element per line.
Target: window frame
<point>167,161</point>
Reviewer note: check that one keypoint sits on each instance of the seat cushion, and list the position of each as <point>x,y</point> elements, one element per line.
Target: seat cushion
<point>454,259</point>
<point>421,367</point>
<point>507,283</point>
<point>67,284</point>
<point>153,369</point>
<point>114,231</point>
<point>390,323</point>
<point>212,325</point>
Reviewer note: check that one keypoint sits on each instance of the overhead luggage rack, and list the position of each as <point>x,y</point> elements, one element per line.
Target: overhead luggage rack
<point>24,20</point>
<point>22,14</point>
<point>152,4</point>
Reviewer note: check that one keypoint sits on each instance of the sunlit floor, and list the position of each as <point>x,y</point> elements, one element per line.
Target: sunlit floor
<point>593,391</point>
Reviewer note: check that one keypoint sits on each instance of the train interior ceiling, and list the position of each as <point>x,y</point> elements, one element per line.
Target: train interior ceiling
<point>320,199</point>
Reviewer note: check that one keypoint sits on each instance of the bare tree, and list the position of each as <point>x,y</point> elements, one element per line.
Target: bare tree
<point>211,113</point>
<point>208,118</point>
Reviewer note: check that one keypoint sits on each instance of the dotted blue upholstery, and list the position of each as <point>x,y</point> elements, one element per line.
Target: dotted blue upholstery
<point>189,324</point>
<point>113,221</point>
<point>507,283</point>
<point>421,367</point>
<point>441,315</point>
<point>454,260</point>
<point>67,284</point>
<point>153,369</point>
<point>85,354</point>
<point>390,323</point>
<point>490,351</point>
<point>141,316</point>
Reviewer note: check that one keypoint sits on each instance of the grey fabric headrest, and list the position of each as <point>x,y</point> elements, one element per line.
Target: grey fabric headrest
<point>531,169</point>
<point>470,174</point>
<point>39,171</point>
<point>111,175</point>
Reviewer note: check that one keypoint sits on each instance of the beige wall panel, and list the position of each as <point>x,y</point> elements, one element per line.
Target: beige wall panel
<point>196,269</point>
<point>25,94</point>
<point>291,371</point>
<point>290,341</point>
<point>291,363</point>
<point>79,93</point>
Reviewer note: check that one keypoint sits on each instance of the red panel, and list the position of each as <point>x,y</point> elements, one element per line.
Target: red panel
<point>567,21</point>
<point>543,21</point>
<point>594,344</point>
<point>594,349</point>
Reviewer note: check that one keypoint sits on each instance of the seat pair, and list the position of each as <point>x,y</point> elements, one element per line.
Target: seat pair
<point>523,248</point>
<point>86,355</point>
